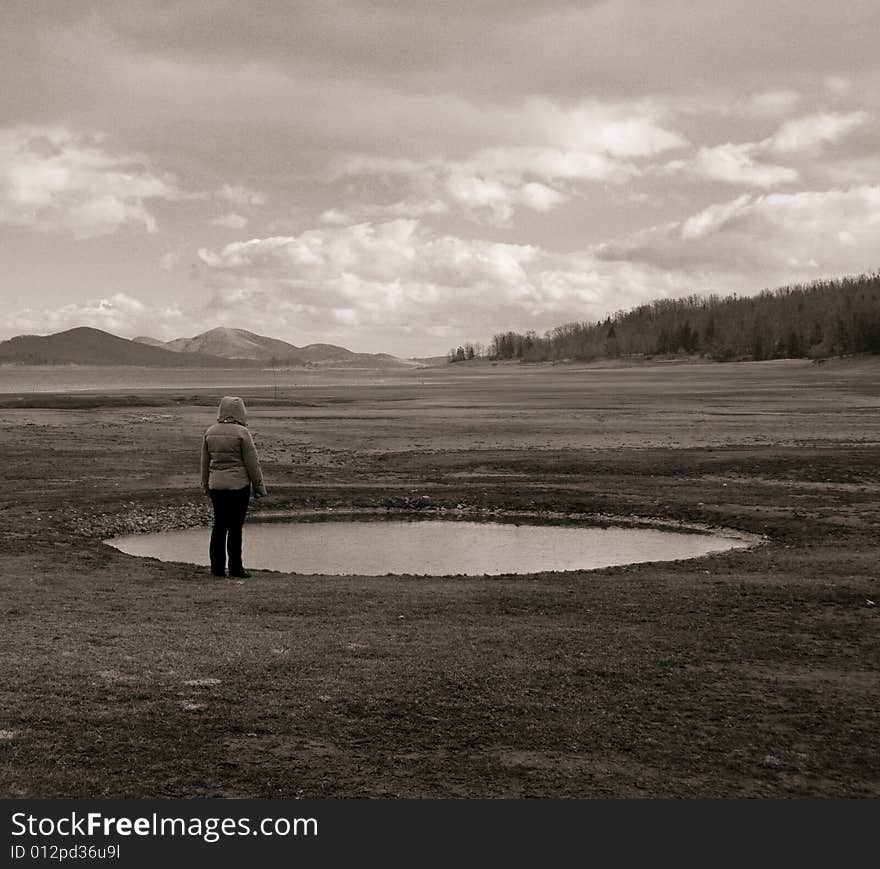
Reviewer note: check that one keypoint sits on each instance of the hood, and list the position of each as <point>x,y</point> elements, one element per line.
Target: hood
<point>232,408</point>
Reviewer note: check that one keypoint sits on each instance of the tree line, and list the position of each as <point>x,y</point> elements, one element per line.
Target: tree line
<point>825,318</point>
<point>465,351</point>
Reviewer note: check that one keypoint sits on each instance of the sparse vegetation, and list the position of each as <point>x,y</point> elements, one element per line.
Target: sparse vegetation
<point>744,674</point>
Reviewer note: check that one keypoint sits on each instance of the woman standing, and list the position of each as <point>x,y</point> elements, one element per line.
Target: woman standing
<point>230,467</point>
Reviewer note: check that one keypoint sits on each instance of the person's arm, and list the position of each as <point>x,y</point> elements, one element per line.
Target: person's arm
<point>252,463</point>
<point>206,464</point>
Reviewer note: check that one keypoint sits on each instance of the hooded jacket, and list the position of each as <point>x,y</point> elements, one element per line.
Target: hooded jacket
<point>229,458</point>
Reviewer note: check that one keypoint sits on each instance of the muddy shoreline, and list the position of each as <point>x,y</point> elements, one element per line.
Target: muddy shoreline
<point>194,515</point>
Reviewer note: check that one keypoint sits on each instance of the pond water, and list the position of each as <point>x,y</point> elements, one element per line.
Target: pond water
<point>432,547</point>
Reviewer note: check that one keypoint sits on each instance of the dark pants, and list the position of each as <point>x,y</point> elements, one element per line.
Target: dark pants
<point>230,508</point>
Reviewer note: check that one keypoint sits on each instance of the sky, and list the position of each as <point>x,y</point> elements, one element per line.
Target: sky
<point>402,176</point>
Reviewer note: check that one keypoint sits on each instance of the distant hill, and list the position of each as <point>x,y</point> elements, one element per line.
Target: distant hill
<point>234,344</point>
<point>218,348</point>
<point>153,342</point>
<point>239,344</point>
<point>87,346</point>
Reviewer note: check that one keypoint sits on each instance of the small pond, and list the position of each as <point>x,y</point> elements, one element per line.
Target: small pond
<point>375,547</point>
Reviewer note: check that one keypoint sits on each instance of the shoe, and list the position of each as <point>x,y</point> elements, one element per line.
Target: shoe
<point>220,574</point>
<point>239,574</point>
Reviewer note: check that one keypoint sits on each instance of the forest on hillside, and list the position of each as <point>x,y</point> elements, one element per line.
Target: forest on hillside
<point>825,318</point>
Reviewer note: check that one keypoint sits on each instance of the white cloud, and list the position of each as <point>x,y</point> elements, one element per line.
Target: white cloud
<point>713,219</point>
<point>335,218</point>
<point>767,240</point>
<point>495,201</point>
<point>798,139</point>
<point>540,197</point>
<point>810,134</point>
<point>620,131</point>
<point>735,164</point>
<point>481,197</point>
<point>54,179</point>
<point>230,221</point>
<point>392,251</point>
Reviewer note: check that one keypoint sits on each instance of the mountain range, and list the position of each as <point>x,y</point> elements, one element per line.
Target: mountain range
<point>217,348</point>
<point>241,344</point>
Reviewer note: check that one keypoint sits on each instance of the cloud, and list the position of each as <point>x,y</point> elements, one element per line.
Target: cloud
<point>551,164</point>
<point>809,135</point>
<point>230,221</point>
<point>540,197</point>
<point>54,179</point>
<point>489,198</point>
<point>800,139</point>
<point>494,201</point>
<point>852,170</point>
<point>547,46</point>
<point>766,240</point>
<point>388,281</point>
<point>434,187</point>
<point>318,261</point>
<point>119,314</point>
<point>734,164</point>
<point>624,130</point>
<point>600,139</point>
<point>335,218</point>
<point>555,150</point>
